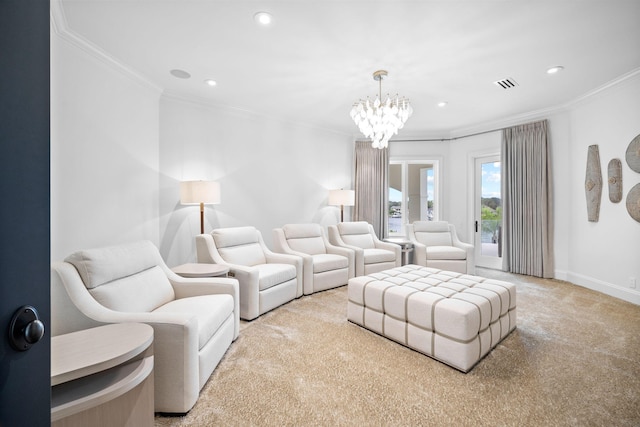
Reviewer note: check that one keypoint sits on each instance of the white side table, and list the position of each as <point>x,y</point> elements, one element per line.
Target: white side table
<point>201,270</point>
<point>103,376</point>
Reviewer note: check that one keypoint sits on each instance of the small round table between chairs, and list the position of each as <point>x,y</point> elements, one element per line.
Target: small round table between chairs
<point>201,270</point>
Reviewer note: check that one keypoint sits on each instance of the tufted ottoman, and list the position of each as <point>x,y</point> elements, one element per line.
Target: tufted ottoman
<point>452,317</point>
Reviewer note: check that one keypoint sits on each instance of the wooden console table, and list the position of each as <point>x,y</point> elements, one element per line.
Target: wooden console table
<point>103,376</point>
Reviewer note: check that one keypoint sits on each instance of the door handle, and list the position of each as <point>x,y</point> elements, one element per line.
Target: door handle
<point>476,226</point>
<point>25,328</point>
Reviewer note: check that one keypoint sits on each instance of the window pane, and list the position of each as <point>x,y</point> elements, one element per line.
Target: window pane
<point>491,210</point>
<point>395,200</point>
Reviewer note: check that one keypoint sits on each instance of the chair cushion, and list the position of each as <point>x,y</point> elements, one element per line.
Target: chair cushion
<point>434,238</point>
<point>270,275</point>
<point>364,241</point>
<point>446,252</point>
<point>432,233</point>
<point>234,236</point>
<point>211,311</point>
<point>126,277</point>
<point>328,262</point>
<point>102,265</point>
<point>298,231</point>
<point>305,238</point>
<point>431,226</point>
<point>357,227</point>
<point>374,256</point>
<point>356,234</point>
<point>239,245</point>
<point>249,255</point>
<point>308,245</point>
<point>140,292</point>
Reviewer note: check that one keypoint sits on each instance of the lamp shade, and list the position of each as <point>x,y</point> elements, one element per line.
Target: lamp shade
<point>196,192</point>
<point>342,197</point>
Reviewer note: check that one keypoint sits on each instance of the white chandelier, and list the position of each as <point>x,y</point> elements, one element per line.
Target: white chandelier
<point>381,120</point>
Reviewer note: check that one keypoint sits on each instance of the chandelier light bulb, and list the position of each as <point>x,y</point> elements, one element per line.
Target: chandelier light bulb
<point>381,120</point>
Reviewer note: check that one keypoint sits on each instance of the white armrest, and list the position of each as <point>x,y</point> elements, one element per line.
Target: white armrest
<point>471,264</point>
<point>186,287</point>
<point>344,251</point>
<point>206,251</point>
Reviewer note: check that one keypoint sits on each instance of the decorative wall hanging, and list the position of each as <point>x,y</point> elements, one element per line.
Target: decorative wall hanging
<point>633,202</point>
<point>593,183</point>
<point>615,180</point>
<point>633,154</point>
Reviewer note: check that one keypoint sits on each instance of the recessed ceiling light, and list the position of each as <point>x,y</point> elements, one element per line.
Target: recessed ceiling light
<point>555,69</point>
<point>263,18</point>
<point>181,74</point>
<point>442,104</point>
<point>210,82</point>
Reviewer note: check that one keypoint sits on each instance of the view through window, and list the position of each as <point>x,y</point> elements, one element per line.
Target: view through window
<point>491,210</point>
<point>412,194</point>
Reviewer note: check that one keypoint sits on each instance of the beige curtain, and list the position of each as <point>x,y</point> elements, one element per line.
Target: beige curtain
<point>527,204</point>
<point>372,182</point>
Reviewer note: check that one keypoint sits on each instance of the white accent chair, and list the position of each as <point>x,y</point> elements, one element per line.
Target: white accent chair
<point>267,279</point>
<point>325,266</point>
<point>371,254</point>
<point>194,320</point>
<point>436,244</point>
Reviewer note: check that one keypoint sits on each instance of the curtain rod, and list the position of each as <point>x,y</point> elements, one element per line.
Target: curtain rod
<point>447,139</point>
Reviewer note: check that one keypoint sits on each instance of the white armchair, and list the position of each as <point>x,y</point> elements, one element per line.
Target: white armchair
<point>371,254</point>
<point>267,279</point>
<point>325,266</point>
<point>194,320</point>
<point>436,244</point>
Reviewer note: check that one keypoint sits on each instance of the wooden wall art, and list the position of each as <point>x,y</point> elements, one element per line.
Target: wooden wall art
<point>633,154</point>
<point>593,183</point>
<point>633,202</point>
<point>615,180</point>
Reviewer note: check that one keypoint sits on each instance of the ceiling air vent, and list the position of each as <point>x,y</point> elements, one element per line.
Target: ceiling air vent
<point>506,83</point>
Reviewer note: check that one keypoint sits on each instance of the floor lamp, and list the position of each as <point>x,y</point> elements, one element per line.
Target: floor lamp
<point>342,198</point>
<point>200,193</point>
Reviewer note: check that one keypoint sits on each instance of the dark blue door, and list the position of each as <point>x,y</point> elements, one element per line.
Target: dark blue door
<point>24,206</point>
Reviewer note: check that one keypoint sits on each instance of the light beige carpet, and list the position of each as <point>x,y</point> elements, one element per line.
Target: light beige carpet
<point>574,360</point>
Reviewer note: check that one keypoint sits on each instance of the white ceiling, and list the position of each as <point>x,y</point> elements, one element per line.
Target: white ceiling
<point>318,56</point>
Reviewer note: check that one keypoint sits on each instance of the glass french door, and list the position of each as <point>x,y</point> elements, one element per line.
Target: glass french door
<point>413,194</point>
<point>488,212</point>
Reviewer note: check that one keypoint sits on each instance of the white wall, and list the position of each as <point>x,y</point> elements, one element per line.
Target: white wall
<point>603,255</point>
<point>271,172</point>
<point>104,153</point>
<point>118,152</point>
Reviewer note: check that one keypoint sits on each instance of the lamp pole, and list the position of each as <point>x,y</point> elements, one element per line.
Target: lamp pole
<point>201,217</point>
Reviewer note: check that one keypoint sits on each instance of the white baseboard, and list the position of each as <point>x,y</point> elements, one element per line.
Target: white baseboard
<point>626,294</point>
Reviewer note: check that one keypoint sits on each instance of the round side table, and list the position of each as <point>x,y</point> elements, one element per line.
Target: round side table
<point>201,270</point>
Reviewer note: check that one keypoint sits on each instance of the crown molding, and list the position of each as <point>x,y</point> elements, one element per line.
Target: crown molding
<point>542,113</point>
<point>60,27</point>
<point>620,80</point>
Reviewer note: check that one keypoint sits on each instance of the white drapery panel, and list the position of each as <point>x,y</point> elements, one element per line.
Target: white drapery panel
<point>372,182</point>
<point>527,204</point>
